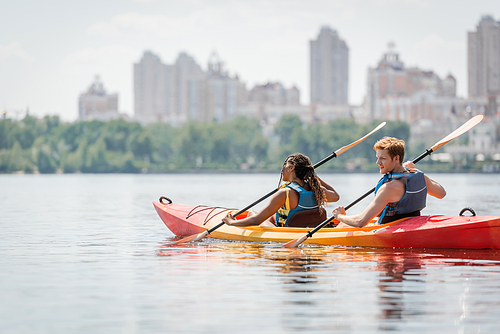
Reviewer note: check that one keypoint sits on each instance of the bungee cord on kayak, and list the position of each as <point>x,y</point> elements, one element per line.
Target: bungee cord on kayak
<point>206,207</point>
<point>199,208</point>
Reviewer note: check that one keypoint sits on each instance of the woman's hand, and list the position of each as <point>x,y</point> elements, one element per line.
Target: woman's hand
<point>229,219</point>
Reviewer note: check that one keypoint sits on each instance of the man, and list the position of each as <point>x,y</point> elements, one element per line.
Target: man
<point>402,192</point>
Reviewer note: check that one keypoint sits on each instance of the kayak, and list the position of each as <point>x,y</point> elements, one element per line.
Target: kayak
<point>436,231</point>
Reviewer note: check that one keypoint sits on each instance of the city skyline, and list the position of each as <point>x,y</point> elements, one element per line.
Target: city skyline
<point>49,55</point>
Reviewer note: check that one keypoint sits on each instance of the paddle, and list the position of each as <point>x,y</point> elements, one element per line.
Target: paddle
<point>461,130</point>
<point>335,154</point>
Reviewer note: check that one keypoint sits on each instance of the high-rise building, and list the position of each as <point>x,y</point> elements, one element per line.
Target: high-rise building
<point>183,91</point>
<point>96,104</point>
<point>329,68</point>
<point>152,80</point>
<point>225,94</point>
<point>188,77</point>
<point>161,91</point>
<point>483,61</point>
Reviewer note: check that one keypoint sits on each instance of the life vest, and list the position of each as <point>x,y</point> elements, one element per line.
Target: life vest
<point>411,203</point>
<point>307,201</point>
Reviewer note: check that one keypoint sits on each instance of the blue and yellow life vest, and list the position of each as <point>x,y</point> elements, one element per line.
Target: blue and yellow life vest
<point>307,201</point>
<point>411,203</point>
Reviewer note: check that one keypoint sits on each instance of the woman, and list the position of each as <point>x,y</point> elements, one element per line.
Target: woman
<point>304,190</point>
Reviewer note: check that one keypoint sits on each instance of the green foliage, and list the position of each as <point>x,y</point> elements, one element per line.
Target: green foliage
<point>8,128</point>
<point>25,136</point>
<point>285,127</point>
<point>121,146</point>
<point>95,158</point>
<point>45,160</point>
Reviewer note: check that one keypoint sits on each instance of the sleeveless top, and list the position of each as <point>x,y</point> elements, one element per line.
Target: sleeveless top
<point>307,201</point>
<point>411,203</point>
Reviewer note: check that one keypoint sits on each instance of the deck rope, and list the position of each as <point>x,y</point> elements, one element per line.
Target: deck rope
<point>200,208</point>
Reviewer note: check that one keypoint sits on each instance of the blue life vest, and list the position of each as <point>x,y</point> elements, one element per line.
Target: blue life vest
<point>411,203</point>
<point>307,201</point>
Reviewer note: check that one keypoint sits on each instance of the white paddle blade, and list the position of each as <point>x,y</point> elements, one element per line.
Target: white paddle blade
<point>194,237</point>
<point>458,132</point>
<point>347,147</point>
<point>295,243</point>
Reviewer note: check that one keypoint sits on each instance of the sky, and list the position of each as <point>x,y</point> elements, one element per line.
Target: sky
<point>52,50</point>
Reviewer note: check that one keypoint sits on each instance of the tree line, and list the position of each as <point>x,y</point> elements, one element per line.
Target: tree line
<point>48,145</point>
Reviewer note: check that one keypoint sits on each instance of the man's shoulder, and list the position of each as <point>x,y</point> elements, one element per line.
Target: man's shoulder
<point>393,189</point>
<point>396,184</point>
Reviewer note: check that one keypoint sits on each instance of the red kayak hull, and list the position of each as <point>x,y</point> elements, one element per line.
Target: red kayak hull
<point>438,231</point>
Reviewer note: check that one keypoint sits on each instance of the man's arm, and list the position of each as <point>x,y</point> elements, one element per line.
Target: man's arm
<point>433,187</point>
<point>389,192</point>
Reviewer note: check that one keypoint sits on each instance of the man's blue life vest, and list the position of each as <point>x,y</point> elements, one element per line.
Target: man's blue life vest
<point>411,203</point>
<point>307,201</point>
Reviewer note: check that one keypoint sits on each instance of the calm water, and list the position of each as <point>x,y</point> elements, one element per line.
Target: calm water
<point>88,254</point>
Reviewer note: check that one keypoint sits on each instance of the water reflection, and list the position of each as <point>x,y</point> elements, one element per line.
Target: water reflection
<point>320,285</point>
<point>395,268</point>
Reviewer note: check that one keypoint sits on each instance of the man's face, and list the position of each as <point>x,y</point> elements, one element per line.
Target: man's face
<point>385,162</point>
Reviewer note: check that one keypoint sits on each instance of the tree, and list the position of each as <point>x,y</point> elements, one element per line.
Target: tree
<point>45,161</point>
<point>195,143</point>
<point>259,147</point>
<point>285,127</point>
<point>25,136</point>
<point>163,138</point>
<point>141,145</point>
<point>95,159</point>
<point>7,127</point>
<point>221,149</point>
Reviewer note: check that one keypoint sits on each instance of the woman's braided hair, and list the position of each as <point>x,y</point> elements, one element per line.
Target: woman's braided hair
<point>304,170</point>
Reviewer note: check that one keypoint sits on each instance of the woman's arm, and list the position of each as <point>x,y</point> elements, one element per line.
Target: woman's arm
<point>331,194</point>
<point>276,201</point>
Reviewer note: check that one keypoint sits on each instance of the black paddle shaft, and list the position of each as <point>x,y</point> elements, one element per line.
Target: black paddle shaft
<point>331,156</point>
<point>326,222</point>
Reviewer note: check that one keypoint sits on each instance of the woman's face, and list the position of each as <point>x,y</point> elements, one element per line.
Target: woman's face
<point>287,170</point>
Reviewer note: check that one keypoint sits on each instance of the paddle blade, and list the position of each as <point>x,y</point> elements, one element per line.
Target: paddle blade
<point>296,242</point>
<point>347,147</point>
<point>194,237</point>
<point>458,132</point>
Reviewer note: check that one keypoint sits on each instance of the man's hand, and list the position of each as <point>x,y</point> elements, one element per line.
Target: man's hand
<point>338,211</point>
<point>410,166</point>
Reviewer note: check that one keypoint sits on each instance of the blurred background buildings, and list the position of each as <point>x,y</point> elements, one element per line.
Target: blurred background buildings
<point>183,91</point>
<point>95,103</point>
<point>329,68</point>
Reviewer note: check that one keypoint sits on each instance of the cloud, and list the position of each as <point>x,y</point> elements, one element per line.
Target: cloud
<point>14,50</point>
<point>436,42</point>
<point>349,13</point>
<point>99,58</point>
<point>412,3</point>
<point>113,63</point>
<point>123,25</point>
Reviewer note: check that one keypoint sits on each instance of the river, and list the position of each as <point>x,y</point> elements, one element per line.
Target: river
<point>86,253</point>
